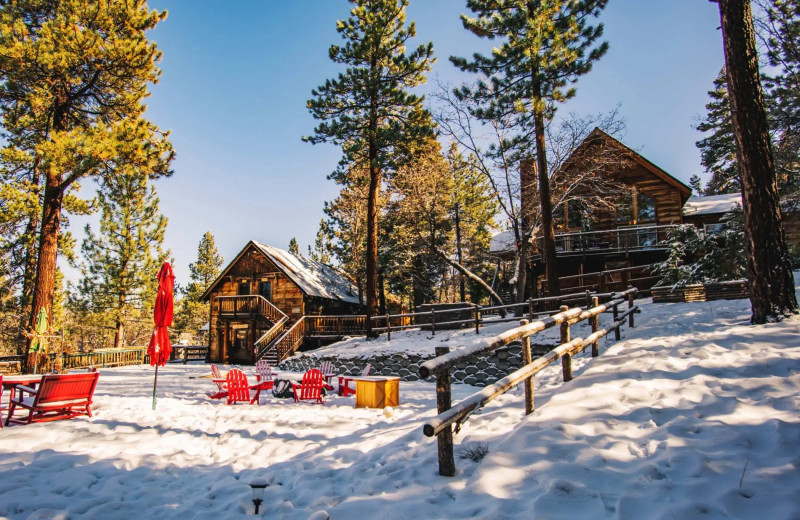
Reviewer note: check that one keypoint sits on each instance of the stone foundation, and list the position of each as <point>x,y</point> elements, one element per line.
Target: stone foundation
<point>477,371</point>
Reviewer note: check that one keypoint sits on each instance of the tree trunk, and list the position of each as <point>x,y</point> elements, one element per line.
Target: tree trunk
<point>48,252</point>
<point>527,191</point>
<point>372,238</point>
<point>462,283</point>
<point>469,274</point>
<point>771,285</point>
<point>548,231</point>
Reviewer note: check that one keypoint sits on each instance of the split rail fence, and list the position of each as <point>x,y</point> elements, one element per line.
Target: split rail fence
<point>442,426</point>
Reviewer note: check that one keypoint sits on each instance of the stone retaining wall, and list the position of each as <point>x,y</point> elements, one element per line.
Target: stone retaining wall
<point>478,371</point>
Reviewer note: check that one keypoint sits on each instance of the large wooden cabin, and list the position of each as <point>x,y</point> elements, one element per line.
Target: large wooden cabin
<point>268,302</point>
<point>650,204</point>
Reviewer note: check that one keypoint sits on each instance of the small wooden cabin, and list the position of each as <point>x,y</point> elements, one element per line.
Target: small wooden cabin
<point>263,292</point>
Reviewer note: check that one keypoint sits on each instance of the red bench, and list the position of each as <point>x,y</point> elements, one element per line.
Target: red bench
<point>57,397</point>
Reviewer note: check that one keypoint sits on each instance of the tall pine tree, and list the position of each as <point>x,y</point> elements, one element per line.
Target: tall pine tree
<point>771,285</point>
<point>121,261</point>
<point>74,78</point>
<point>191,312</point>
<point>545,46</point>
<point>368,109</point>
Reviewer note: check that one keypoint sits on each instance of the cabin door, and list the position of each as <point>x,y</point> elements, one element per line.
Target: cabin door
<point>239,352</point>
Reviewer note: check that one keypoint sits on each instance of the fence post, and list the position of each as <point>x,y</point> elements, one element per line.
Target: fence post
<point>526,360</point>
<point>447,463</point>
<point>389,327</point>
<point>433,322</point>
<point>566,360</point>
<point>630,306</point>
<point>185,355</point>
<point>593,321</point>
<point>530,309</point>
<point>616,316</point>
<point>588,299</point>
<point>477,319</point>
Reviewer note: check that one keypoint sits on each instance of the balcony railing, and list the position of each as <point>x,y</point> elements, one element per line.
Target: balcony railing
<point>628,238</point>
<point>248,306</point>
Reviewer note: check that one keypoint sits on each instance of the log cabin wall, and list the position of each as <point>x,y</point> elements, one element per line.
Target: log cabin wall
<point>246,274</point>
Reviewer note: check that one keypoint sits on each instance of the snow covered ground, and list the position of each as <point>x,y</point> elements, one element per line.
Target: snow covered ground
<point>694,414</point>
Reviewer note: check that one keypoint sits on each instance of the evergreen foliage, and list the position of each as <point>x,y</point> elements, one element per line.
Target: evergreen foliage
<point>544,47</point>
<point>293,247</point>
<point>75,75</point>
<point>695,256</point>
<point>191,314</point>
<point>368,109</point>
<point>121,262</point>
<point>718,148</point>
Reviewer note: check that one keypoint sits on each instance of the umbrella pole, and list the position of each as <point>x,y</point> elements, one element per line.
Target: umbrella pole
<point>155,381</point>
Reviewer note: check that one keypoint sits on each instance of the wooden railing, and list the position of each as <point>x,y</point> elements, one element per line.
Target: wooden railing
<point>268,337</point>
<point>188,353</point>
<point>640,276</point>
<point>290,340</point>
<point>104,358</point>
<point>628,238</point>
<point>442,424</point>
<point>335,325</point>
<point>250,305</point>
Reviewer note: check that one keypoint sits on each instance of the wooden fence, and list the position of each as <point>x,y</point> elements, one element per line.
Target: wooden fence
<point>442,425</point>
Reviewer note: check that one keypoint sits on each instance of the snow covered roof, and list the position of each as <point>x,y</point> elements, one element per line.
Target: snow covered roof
<point>313,278</point>
<point>711,205</point>
<point>502,242</point>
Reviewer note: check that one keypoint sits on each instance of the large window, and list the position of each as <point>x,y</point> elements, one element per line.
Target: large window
<point>646,208</point>
<point>265,290</point>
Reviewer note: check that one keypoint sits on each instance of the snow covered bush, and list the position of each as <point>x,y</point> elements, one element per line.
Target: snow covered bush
<point>697,256</point>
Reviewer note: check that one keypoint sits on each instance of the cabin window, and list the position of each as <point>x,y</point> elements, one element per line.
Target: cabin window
<point>265,290</point>
<point>244,288</point>
<point>625,209</point>
<point>646,208</point>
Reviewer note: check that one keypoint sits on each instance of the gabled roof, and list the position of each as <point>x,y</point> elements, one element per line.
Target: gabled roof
<point>313,278</point>
<point>711,205</point>
<point>598,134</point>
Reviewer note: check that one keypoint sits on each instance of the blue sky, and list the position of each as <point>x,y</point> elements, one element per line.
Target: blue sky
<point>236,77</point>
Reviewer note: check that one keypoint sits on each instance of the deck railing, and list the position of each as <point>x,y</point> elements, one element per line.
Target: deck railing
<point>627,238</point>
<point>249,305</point>
<point>335,325</point>
<point>442,424</point>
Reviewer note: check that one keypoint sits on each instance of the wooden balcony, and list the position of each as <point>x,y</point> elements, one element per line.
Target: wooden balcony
<point>247,307</point>
<point>619,240</point>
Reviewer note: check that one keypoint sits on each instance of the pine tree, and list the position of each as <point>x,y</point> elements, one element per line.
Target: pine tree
<point>191,313</point>
<point>74,78</point>
<point>545,46</point>
<point>206,269</point>
<point>718,148</point>
<point>368,109</point>
<point>772,293</point>
<point>293,247</point>
<point>122,260</point>
<point>696,183</point>
<point>322,246</point>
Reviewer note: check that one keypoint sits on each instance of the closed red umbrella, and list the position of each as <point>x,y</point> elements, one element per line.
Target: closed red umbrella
<point>160,348</point>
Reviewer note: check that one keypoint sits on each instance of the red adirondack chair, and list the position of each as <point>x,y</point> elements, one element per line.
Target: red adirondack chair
<point>1,401</point>
<point>222,391</point>
<point>310,389</point>
<point>344,382</point>
<point>59,396</point>
<point>237,386</point>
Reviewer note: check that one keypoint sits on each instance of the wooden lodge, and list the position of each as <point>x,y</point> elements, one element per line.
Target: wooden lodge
<point>650,204</point>
<point>268,302</point>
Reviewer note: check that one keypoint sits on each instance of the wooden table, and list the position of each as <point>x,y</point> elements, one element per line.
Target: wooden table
<point>377,391</point>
